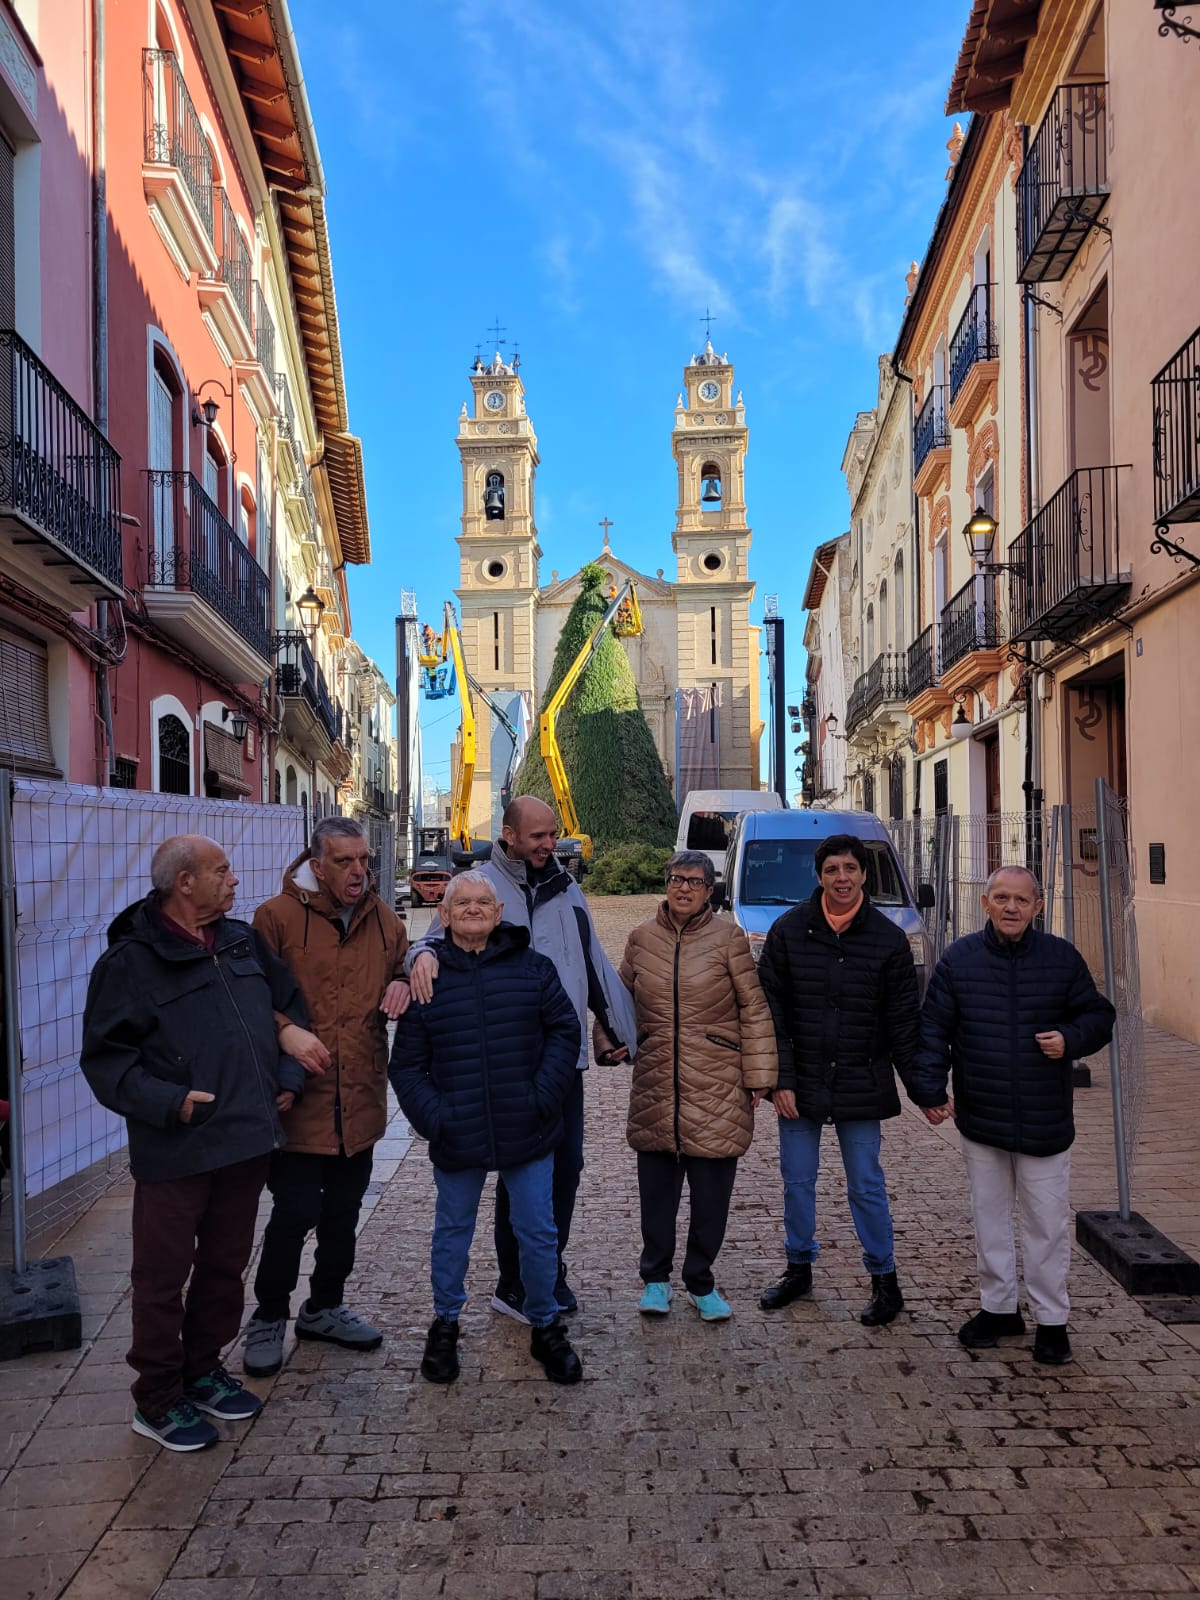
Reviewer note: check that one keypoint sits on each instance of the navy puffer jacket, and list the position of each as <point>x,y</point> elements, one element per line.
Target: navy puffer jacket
<point>482,1070</point>
<point>845,1008</point>
<point>987,999</point>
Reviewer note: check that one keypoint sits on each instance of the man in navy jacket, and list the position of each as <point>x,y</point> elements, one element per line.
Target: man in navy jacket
<point>482,1071</point>
<point>1006,1012</point>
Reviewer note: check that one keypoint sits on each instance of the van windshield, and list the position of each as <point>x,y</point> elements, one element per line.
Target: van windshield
<point>710,830</point>
<point>782,872</point>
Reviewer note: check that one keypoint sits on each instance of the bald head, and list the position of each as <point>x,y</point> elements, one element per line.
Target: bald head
<point>1011,900</point>
<point>530,830</point>
<point>194,879</point>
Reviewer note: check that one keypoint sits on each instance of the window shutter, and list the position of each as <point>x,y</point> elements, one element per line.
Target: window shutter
<point>25,705</point>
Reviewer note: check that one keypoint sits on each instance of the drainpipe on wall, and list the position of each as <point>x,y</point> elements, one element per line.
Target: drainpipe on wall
<point>1032,786</point>
<point>104,763</point>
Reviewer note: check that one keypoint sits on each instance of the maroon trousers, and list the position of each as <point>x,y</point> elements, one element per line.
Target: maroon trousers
<point>202,1226</point>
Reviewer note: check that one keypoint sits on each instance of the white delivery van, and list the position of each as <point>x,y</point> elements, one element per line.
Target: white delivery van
<point>708,816</point>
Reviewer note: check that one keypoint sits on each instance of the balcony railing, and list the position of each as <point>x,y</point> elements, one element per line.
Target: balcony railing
<point>886,679</point>
<point>1067,561</point>
<point>1063,184</point>
<point>1176,393</point>
<point>299,676</point>
<point>287,415</point>
<point>931,430</point>
<point>236,270</point>
<point>57,470</point>
<point>196,549</point>
<point>974,338</point>
<point>264,332</point>
<point>922,662</point>
<point>173,134</point>
<point>970,620</point>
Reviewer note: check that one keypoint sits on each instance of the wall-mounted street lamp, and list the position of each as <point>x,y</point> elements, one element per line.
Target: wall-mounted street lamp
<point>310,606</point>
<point>831,728</point>
<point>239,722</point>
<point>204,413</point>
<point>962,726</point>
<point>980,535</point>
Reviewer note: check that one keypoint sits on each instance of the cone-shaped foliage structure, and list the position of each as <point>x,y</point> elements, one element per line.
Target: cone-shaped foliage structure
<point>612,765</point>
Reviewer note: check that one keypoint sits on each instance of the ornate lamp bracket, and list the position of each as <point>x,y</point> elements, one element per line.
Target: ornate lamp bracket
<point>1169,23</point>
<point>1177,552</point>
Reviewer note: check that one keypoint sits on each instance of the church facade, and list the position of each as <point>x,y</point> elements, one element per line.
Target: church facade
<point>696,662</point>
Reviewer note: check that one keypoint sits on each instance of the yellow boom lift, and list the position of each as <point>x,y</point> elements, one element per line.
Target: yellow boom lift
<point>624,616</point>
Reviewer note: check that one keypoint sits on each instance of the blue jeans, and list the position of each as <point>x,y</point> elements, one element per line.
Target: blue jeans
<point>799,1162</point>
<point>531,1202</point>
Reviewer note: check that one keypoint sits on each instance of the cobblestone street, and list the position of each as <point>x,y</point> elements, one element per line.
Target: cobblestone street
<point>792,1454</point>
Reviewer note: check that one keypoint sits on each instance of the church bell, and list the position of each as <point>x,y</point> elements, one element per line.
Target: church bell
<point>711,493</point>
<point>493,503</point>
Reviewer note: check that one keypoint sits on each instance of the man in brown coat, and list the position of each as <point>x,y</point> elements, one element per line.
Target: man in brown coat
<point>346,949</point>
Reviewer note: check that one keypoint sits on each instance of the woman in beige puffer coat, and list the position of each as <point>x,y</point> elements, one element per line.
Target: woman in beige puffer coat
<point>706,1055</point>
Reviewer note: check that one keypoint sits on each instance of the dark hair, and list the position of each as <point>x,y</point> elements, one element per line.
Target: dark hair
<point>841,844</point>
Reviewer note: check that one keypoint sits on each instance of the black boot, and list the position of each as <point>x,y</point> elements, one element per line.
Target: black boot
<point>440,1361</point>
<point>886,1300</point>
<point>552,1348</point>
<point>796,1280</point>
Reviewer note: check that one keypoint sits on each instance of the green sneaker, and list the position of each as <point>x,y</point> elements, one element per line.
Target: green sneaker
<point>711,1307</point>
<point>180,1428</point>
<point>656,1300</point>
<point>222,1396</point>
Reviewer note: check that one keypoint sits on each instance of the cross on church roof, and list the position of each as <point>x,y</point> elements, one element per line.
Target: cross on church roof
<point>707,319</point>
<point>606,525</point>
<point>494,333</point>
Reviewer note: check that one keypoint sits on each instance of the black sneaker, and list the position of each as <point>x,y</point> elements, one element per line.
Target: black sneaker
<point>985,1327</point>
<point>510,1303</point>
<point>796,1280</point>
<point>552,1348</point>
<point>886,1302</point>
<point>180,1428</point>
<point>1051,1344</point>
<point>440,1362</point>
<point>222,1396</point>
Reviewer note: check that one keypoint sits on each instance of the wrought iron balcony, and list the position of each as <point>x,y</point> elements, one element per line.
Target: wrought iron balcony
<point>173,135</point>
<point>932,428</point>
<point>974,338</point>
<point>60,484</point>
<point>196,551</point>
<point>922,662</point>
<point>287,414</point>
<point>855,714</point>
<point>970,620</point>
<point>1068,574</point>
<point>264,333</point>
<point>298,676</point>
<point>1063,186</point>
<point>1176,394</point>
<point>884,681</point>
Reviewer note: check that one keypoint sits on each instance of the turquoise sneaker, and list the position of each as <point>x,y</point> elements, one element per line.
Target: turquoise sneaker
<point>656,1300</point>
<point>710,1306</point>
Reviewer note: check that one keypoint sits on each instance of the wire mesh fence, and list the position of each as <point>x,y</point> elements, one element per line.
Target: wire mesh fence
<point>81,855</point>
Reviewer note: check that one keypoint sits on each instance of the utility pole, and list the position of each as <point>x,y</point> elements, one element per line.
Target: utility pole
<point>773,622</point>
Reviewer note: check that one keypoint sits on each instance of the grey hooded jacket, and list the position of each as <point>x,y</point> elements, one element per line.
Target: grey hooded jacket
<point>553,909</point>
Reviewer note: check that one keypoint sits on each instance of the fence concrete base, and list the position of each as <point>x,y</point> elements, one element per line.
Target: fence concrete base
<point>1136,1254</point>
<point>39,1308</point>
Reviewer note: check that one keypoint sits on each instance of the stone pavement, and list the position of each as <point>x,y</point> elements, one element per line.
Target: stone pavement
<point>799,1454</point>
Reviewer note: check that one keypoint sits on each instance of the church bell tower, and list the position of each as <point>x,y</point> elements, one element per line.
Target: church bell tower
<point>717,647</point>
<point>498,561</point>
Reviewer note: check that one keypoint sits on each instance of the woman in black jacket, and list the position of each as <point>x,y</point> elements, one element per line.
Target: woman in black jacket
<point>842,987</point>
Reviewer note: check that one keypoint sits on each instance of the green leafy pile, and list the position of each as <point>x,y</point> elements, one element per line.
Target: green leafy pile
<point>616,778</point>
<point>628,869</point>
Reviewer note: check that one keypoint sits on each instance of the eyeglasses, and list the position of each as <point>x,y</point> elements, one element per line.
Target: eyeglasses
<point>674,881</point>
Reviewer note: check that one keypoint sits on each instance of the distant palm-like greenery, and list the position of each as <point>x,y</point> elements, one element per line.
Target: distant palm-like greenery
<point>616,778</point>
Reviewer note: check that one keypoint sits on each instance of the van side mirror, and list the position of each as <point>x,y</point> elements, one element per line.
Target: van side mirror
<point>926,899</point>
<point>718,896</point>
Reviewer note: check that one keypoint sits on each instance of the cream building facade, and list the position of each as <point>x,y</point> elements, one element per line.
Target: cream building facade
<point>695,664</point>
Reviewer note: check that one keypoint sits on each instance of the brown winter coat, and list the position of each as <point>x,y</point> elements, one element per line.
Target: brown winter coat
<point>705,1037</point>
<point>342,979</point>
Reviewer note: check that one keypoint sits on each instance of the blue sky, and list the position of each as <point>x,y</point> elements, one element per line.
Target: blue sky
<point>597,175</point>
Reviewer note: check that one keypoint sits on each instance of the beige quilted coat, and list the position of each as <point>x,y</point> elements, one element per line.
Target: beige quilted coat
<point>705,1037</point>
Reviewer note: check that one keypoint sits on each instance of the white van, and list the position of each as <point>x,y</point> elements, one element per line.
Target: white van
<point>708,816</point>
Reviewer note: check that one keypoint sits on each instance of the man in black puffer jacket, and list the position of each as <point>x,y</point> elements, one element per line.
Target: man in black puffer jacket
<point>842,987</point>
<point>482,1071</point>
<point>1007,1012</point>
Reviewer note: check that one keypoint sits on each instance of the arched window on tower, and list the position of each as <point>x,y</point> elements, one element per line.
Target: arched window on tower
<point>493,497</point>
<point>712,493</point>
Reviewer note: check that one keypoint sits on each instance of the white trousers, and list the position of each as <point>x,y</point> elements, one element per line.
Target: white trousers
<point>1041,1189</point>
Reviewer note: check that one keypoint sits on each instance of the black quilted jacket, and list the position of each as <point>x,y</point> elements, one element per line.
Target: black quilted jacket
<point>987,999</point>
<point>845,1009</point>
<point>482,1071</point>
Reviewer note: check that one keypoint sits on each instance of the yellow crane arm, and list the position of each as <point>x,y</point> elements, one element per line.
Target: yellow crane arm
<point>624,612</point>
<point>460,804</point>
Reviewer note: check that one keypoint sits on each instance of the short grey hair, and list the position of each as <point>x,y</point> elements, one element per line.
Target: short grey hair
<point>476,879</point>
<point>333,828</point>
<point>174,856</point>
<point>694,859</point>
<point>1021,872</point>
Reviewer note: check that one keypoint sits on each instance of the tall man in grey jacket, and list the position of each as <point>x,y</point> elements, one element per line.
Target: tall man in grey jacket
<point>537,893</point>
<point>186,1033</point>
